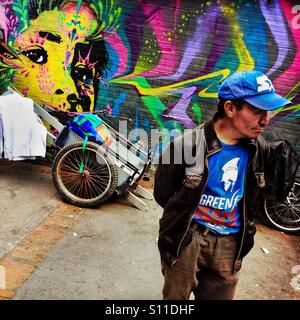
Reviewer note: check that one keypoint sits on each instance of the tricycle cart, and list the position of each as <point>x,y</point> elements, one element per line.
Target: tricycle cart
<point>86,173</point>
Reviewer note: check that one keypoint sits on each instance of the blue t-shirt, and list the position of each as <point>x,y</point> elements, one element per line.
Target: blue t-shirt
<point>219,204</point>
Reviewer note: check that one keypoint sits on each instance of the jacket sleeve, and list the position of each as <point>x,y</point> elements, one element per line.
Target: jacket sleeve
<point>168,175</point>
<point>281,162</point>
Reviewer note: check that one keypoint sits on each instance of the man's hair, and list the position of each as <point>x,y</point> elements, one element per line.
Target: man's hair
<point>221,111</point>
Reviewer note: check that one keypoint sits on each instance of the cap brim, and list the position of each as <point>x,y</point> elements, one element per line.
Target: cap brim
<point>269,101</point>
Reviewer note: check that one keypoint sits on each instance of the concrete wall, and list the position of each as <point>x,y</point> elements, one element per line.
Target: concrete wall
<point>154,63</point>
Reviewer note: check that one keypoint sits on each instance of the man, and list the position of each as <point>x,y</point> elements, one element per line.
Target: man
<point>207,181</point>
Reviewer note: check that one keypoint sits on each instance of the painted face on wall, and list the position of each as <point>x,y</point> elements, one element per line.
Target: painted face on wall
<point>59,66</point>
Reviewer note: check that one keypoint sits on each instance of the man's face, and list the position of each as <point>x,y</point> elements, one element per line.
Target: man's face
<point>52,72</point>
<point>249,122</point>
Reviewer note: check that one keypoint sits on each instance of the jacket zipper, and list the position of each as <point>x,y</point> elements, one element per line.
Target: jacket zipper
<point>206,163</point>
<point>244,214</point>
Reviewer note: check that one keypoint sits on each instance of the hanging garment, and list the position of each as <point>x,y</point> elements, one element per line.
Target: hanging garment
<point>23,133</point>
<point>1,137</point>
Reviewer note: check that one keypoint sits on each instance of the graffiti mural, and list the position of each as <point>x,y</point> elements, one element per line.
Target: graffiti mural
<point>157,64</point>
<point>60,54</point>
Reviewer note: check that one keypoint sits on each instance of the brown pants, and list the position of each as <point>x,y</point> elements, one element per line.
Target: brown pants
<point>204,267</point>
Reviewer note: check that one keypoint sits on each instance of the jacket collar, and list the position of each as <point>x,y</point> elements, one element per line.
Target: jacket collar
<point>214,144</point>
<point>212,141</point>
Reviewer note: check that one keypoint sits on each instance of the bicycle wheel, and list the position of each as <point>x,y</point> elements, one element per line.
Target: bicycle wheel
<point>285,215</point>
<point>94,185</point>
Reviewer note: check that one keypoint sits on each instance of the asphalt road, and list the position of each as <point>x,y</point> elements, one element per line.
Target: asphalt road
<point>56,251</point>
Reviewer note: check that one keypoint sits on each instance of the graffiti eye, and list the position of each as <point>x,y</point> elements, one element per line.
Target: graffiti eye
<point>83,74</point>
<point>38,55</point>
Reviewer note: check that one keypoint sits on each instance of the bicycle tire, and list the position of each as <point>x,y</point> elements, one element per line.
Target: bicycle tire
<point>285,215</point>
<point>94,185</point>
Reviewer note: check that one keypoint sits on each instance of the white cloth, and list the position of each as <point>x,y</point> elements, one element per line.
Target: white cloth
<point>1,137</point>
<point>23,132</point>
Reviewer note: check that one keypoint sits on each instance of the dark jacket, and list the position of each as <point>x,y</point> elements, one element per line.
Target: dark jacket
<point>179,185</point>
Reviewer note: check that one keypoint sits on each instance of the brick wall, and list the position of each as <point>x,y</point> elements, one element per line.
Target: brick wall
<point>165,58</point>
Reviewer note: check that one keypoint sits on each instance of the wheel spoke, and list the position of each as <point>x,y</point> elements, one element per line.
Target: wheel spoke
<point>89,189</point>
<point>75,158</point>
<point>99,169</point>
<point>69,163</point>
<point>99,182</point>
<point>285,215</point>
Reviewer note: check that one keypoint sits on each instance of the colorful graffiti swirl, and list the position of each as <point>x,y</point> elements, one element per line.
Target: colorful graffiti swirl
<point>155,63</point>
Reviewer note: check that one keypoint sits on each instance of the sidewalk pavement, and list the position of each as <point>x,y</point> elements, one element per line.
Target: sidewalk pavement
<point>52,250</point>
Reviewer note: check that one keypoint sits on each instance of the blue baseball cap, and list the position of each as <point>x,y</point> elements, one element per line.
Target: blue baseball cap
<point>254,87</point>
